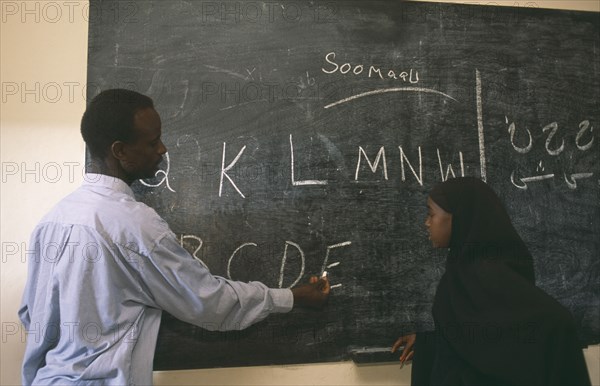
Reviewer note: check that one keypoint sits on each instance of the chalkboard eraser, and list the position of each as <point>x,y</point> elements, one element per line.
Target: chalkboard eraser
<point>373,354</point>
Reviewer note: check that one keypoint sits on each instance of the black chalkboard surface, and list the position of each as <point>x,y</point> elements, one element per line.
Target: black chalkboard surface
<point>304,136</point>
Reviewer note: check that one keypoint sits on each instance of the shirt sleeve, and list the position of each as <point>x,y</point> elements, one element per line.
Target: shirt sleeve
<point>182,286</point>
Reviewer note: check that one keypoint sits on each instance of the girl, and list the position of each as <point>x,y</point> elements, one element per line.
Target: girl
<point>493,325</point>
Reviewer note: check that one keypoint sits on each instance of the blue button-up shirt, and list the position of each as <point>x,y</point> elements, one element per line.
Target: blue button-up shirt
<point>104,268</point>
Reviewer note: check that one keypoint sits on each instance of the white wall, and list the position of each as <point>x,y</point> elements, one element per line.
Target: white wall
<point>43,61</point>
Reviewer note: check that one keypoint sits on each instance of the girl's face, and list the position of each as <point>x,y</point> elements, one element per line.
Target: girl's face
<point>439,225</point>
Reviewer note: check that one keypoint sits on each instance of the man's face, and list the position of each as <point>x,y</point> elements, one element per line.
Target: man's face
<point>144,152</point>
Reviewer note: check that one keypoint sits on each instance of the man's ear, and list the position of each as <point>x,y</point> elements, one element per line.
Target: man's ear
<point>118,150</point>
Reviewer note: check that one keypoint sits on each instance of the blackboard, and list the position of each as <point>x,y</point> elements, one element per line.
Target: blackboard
<point>305,136</point>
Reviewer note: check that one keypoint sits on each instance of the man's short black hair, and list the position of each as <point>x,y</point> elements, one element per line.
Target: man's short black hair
<point>110,117</point>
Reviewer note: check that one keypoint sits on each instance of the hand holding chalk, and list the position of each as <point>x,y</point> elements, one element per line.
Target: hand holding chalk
<point>314,294</point>
<point>408,341</point>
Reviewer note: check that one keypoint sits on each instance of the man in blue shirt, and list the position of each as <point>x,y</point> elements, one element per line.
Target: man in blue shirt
<point>106,265</point>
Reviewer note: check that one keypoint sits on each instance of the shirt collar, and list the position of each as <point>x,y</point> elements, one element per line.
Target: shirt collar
<point>109,182</point>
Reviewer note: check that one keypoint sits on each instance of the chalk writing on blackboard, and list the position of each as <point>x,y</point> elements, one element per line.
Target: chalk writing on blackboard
<point>373,71</point>
<point>164,174</point>
<point>581,143</point>
<point>327,264</point>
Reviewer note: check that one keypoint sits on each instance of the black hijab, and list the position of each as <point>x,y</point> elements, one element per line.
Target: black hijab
<point>493,323</point>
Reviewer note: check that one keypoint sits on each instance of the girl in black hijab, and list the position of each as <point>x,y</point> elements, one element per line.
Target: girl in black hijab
<point>493,325</point>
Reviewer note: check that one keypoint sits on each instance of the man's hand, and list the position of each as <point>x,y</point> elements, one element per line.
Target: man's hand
<point>408,341</point>
<point>312,295</point>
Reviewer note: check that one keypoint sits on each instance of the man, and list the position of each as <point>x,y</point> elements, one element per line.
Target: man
<point>105,265</point>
